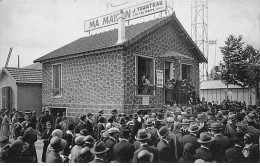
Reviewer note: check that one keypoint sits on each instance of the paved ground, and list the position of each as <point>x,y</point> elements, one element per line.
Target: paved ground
<point>39,146</point>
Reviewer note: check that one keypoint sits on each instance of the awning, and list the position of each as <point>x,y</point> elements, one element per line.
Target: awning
<point>177,56</point>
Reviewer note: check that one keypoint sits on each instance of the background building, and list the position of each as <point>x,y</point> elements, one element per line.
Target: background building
<point>21,89</point>
<point>215,91</point>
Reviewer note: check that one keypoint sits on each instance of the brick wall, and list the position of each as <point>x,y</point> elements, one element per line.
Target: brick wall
<point>107,80</point>
<point>89,83</point>
<point>155,44</point>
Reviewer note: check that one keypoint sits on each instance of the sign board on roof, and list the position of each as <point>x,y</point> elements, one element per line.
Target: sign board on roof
<point>133,12</point>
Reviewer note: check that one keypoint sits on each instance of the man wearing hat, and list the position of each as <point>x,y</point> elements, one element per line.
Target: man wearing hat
<point>234,154</point>
<point>177,137</point>
<point>241,128</point>
<point>143,136</point>
<point>154,133</point>
<point>159,121</point>
<point>204,152</point>
<point>33,120</point>
<point>40,123</point>
<point>250,150</point>
<point>123,125</point>
<point>46,117</point>
<point>58,119</point>
<point>100,113</point>
<point>230,129</point>
<point>137,124</point>
<point>56,146</point>
<point>100,126</point>
<point>220,143</point>
<point>111,141</point>
<point>79,141</point>
<point>165,146</point>
<point>123,151</point>
<point>17,128</point>
<point>202,118</point>
<point>185,126</point>
<point>192,137</point>
<point>252,130</point>
<point>30,136</point>
<point>46,135</point>
<point>89,123</point>
<point>9,153</point>
<point>100,152</point>
<point>85,156</point>
<point>114,115</point>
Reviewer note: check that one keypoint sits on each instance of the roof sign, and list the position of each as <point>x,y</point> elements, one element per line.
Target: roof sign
<point>133,12</point>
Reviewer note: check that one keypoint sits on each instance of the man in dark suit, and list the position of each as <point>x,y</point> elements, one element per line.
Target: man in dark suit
<point>203,152</point>
<point>46,136</point>
<point>46,117</point>
<point>165,146</point>
<point>123,151</point>
<point>202,123</point>
<point>137,124</point>
<point>33,120</point>
<point>185,126</point>
<point>234,154</point>
<point>100,152</point>
<point>111,141</point>
<point>154,133</point>
<point>192,137</point>
<point>30,136</point>
<point>230,130</point>
<point>143,136</point>
<point>220,143</point>
<point>100,113</point>
<point>252,130</point>
<point>177,138</point>
<point>100,127</point>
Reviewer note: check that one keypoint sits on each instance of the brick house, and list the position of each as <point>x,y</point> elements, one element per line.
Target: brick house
<point>104,71</point>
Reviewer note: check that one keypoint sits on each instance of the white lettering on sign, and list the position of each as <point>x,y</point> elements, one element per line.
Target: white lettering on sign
<point>130,13</point>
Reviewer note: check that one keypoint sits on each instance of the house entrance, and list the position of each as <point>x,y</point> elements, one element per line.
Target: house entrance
<point>54,111</point>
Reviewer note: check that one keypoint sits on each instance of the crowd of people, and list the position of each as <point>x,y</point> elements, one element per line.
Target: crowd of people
<point>206,132</point>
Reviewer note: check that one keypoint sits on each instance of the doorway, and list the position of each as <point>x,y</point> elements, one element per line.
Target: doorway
<point>54,111</point>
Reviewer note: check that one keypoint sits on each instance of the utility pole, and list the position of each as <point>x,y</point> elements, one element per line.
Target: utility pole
<point>18,62</point>
<point>8,57</point>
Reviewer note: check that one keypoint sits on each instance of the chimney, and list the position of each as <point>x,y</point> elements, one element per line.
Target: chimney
<point>121,27</point>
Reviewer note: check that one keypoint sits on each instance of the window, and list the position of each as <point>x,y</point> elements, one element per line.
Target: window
<point>56,80</point>
<point>168,72</point>
<point>145,75</point>
<point>186,72</point>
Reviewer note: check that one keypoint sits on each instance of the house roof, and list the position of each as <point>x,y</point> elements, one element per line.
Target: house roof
<point>37,66</point>
<point>25,76</point>
<point>108,39</point>
<point>217,84</point>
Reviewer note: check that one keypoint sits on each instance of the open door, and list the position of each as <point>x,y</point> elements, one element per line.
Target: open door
<point>54,111</point>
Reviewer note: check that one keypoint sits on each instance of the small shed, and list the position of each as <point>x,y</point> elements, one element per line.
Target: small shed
<point>21,89</point>
<point>214,90</point>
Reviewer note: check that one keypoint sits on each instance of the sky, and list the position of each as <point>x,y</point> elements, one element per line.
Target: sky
<point>36,27</point>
